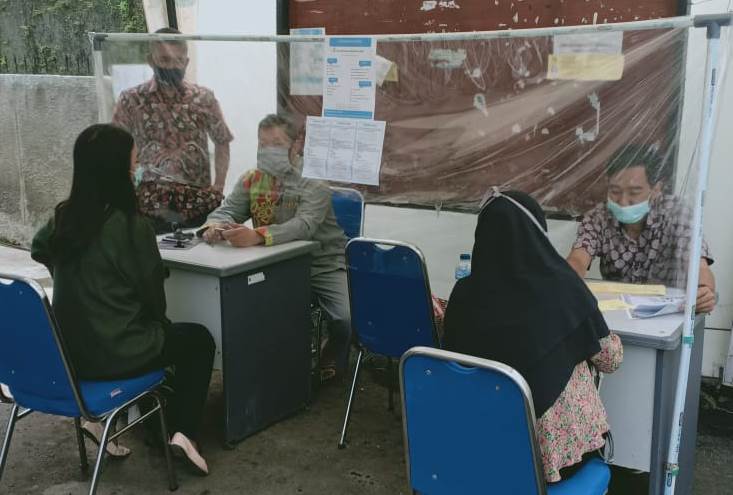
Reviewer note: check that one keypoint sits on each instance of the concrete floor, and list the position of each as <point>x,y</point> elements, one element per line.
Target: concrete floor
<point>297,455</point>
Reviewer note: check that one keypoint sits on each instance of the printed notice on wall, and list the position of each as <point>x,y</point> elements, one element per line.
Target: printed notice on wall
<point>306,63</point>
<point>349,77</point>
<point>587,57</point>
<point>343,150</point>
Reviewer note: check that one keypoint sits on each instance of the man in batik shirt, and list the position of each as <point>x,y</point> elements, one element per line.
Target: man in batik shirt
<point>171,121</point>
<point>640,234</point>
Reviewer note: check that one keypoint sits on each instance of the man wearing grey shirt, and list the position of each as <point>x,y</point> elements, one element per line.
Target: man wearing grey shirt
<point>284,207</point>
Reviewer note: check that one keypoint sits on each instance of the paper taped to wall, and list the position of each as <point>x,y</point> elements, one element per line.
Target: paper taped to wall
<point>345,150</point>
<point>587,57</point>
<point>306,64</point>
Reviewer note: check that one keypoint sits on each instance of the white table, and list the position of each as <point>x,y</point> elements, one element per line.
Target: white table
<point>639,397</point>
<point>255,302</point>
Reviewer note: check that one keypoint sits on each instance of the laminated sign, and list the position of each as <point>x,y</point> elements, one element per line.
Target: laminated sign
<point>587,57</point>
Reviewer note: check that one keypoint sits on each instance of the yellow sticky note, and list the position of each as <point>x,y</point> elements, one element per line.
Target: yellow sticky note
<point>633,289</point>
<point>585,66</point>
<point>393,74</point>
<point>612,305</point>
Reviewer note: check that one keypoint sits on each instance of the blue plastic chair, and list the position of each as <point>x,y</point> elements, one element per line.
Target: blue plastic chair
<point>469,427</point>
<point>348,206</point>
<point>391,305</point>
<point>35,366</point>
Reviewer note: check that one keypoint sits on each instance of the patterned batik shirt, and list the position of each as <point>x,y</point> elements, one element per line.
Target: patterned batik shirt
<point>284,209</point>
<point>170,128</point>
<point>661,253</point>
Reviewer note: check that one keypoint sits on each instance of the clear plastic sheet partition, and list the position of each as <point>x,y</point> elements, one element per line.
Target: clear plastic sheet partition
<point>555,118</point>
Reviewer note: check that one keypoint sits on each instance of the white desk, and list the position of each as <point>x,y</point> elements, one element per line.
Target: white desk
<point>255,302</point>
<point>639,397</point>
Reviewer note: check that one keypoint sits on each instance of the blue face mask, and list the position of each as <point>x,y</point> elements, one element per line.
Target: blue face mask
<point>137,177</point>
<point>629,214</point>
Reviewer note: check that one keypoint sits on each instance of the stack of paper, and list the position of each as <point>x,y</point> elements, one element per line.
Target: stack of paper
<point>633,289</point>
<point>649,307</point>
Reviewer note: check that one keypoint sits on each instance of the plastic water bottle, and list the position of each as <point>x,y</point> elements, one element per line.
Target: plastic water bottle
<point>463,269</point>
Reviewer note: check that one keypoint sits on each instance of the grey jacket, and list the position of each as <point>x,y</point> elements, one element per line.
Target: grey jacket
<point>297,209</point>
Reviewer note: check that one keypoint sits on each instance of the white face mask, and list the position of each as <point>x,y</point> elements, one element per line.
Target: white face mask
<point>274,160</point>
<point>494,193</point>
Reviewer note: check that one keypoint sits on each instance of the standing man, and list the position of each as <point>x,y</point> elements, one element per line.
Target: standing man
<point>640,234</point>
<point>171,121</point>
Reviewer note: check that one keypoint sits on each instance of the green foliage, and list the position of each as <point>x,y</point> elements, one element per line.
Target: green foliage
<point>49,33</point>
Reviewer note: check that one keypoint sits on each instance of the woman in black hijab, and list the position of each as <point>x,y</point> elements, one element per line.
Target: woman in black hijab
<point>524,306</point>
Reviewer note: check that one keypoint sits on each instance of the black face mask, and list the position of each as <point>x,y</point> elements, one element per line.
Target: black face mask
<point>172,77</point>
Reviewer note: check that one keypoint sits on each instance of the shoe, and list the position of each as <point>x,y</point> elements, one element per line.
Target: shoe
<point>184,449</point>
<point>94,431</point>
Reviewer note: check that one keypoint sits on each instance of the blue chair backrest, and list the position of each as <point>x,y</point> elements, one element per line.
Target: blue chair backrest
<point>469,426</point>
<point>31,364</point>
<point>348,206</point>
<point>391,306</point>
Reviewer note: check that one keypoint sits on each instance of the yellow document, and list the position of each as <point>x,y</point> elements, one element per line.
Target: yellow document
<point>632,289</point>
<point>612,305</point>
<point>586,66</point>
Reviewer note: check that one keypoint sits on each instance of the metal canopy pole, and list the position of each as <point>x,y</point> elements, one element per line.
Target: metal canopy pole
<point>710,102</point>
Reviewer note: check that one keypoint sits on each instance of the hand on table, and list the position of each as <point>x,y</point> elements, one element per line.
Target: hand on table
<point>241,236</point>
<point>213,233</point>
<point>706,299</point>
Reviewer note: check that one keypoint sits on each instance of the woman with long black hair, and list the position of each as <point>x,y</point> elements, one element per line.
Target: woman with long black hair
<point>524,306</point>
<point>108,288</point>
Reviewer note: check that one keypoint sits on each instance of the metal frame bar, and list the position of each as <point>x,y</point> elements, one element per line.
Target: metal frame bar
<point>487,364</point>
<point>713,24</point>
<point>170,11</point>
<point>667,23</point>
<point>350,400</point>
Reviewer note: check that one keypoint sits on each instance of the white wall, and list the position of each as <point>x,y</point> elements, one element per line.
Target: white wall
<point>442,237</point>
<point>242,75</point>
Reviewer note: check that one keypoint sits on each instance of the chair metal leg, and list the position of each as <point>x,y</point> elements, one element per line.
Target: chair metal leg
<point>83,461</point>
<point>108,426</point>
<point>342,441</point>
<point>172,481</point>
<point>8,436</point>
<point>390,386</point>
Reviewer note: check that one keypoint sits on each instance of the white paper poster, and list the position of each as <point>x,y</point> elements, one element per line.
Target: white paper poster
<point>349,77</point>
<point>343,150</point>
<point>306,63</point>
<point>587,57</point>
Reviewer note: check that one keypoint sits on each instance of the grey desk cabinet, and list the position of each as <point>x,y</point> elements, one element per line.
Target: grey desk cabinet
<point>255,302</point>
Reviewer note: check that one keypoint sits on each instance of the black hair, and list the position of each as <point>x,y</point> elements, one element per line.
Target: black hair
<point>636,155</point>
<point>101,184</point>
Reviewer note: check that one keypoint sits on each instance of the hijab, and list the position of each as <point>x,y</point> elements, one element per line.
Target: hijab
<point>523,305</point>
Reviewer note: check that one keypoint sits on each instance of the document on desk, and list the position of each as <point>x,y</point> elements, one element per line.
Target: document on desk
<point>343,150</point>
<point>651,306</point>
<point>612,305</point>
<point>597,287</point>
